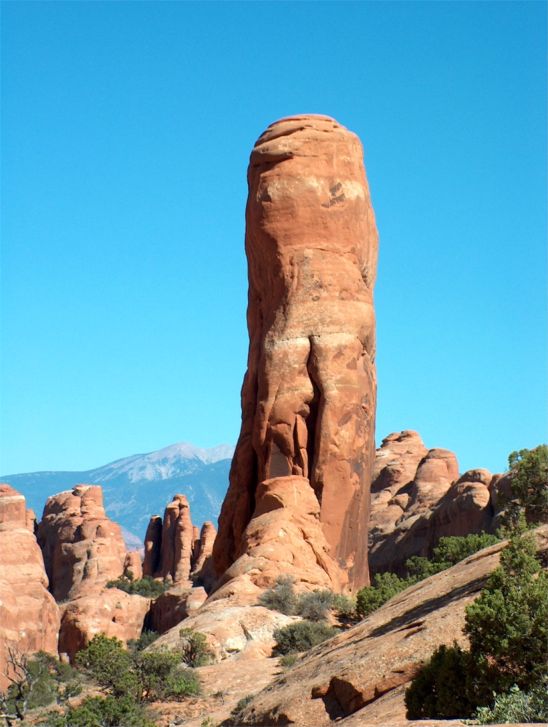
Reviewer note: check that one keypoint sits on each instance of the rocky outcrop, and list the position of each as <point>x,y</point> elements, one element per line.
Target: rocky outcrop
<point>175,550</point>
<point>109,611</point>
<point>364,671</point>
<point>173,606</point>
<point>133,565</point>
<point>309,394</point>
<point>29,616</point>
<point>417,497</point>
<point>82,547</point>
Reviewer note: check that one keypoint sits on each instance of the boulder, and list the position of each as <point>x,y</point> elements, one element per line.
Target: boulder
<point>309,394</point>
<point>29,616</point>
<point>133,565</point>
<point>173,606</point>
<point>110,611</point>
<point>82,547</point>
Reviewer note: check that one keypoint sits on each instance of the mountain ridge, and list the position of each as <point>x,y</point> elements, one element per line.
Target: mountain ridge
<point>199,473</point>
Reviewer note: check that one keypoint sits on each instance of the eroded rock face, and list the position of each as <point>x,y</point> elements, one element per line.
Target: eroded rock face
<point>82,547</point>
<point>110,611</point>
<point>174,548</point>
<point>29,616</point>
<point>417,497</point>
<point>309,394</point>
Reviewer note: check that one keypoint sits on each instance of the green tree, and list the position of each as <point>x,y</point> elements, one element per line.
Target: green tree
<point>528,486</point>
<point>508,624</point>
<point>301,636</point>
<point>110,665</point>
<point>385,586</point>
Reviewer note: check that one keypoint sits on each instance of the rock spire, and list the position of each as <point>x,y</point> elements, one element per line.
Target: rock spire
<point>309,394</point>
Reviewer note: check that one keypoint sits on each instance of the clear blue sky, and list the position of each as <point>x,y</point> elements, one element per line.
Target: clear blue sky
<point>126,132</point>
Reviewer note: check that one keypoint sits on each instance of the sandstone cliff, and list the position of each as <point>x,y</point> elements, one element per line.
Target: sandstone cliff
<point>29,616</point>
<point>82,547</point>
<point>309,394</point>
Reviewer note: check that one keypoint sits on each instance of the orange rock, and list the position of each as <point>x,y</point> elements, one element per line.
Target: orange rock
<point>133,565</point>
<point>202,564</point>
<point>153,546</point>
<point>417,497</point>
<point>173,606</point>
<point>110,611</point>
<point>29,616</point>
<point>309,394</point>
<point>82,547</point>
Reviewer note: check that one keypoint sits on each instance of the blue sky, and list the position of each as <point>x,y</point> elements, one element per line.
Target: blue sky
<point>126,133</point>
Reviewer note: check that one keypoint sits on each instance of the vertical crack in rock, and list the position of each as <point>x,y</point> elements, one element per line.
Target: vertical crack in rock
<point>309,395</point>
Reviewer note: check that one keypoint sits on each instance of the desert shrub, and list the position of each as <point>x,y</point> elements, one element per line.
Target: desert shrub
<point>161,676</point>
<point>528,487</point>
<point>301,636</point>
<point>194,648</point>
<point>517,706</point>
<point>281,597</point>
<point>507,626</point>
<point>447,686</point>
<point>315,605</point>
<point>240,706</point>
<point>144,640</point>
<point>147,586</point>
<point>101,712</point>
<point>39,680</point>
<point>107,662</point>
<point>449,551</point>
<point>344,606</point>
<point>289,660</point>
<point>385,586</point>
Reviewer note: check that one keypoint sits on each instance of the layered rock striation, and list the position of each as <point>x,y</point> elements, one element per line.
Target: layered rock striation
<point>309,394</point>
<point>29,616</point>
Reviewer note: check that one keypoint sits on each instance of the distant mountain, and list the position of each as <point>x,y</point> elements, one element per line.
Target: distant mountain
<point>139,486</point>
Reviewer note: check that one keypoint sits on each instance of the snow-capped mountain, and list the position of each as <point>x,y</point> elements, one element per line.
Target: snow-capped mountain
<point>141,485</point>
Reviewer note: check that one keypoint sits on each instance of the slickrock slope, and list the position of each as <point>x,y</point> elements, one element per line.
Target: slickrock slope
<point>309,394</point>
<point>29,617</point>
<point>82,547</point>
<point>363,671</point>
<point>417,497</point>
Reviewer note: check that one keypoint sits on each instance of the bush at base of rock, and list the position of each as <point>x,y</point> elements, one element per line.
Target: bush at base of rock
<point>145,639</point>
<point>301,636</point>
<point>143,676</point>
<point>40,681</point>
<point>507,626</point>
<point>312,606</point>
<point>281,597</point>
<point>147,586</point>
<point>517,707</point>
<point>101,712</point>
<point>449,551</point>
<point>194,649</point>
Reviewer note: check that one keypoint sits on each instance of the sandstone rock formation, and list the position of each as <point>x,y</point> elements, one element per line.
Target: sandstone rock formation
<point>82,547</point>
<point>173,606</point>
<point>417,497</point>
<point>108,611</point>
<point>133,565</point>
<point>364,671</point>
<point>29,616</point>
<point>308,398</point>
<point>174,548</point>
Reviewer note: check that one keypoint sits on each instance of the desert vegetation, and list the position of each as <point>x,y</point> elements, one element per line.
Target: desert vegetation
<point>128,681</point>
<point>146,586</point>
<point>503,675</point>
